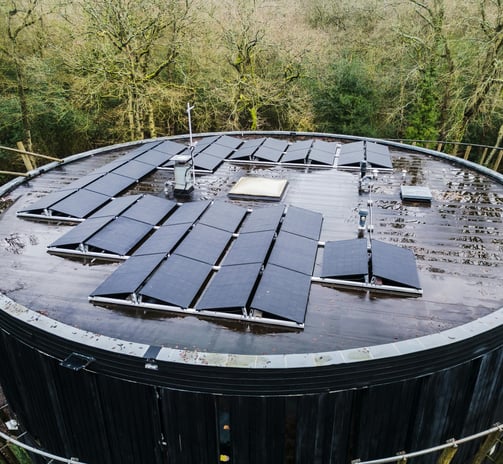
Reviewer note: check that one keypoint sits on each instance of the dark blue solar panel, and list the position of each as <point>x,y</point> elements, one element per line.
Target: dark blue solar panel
<point>154,158</point>
<point>116,206</point>
<point>379,159</point>
<point>294,252</point>
<point>321,145</point>
<point>394,265</point>
<point>263,219</point>
<point>249,248</point>
<point>353,158</point>
<point>134,169</point>
<point>346,259</point>
<point>222,215</point>
<point>218,151</point>
<point>112,165</point>
<point>277,144</point>
<point>207,162</point>
<point>300,145</point>
<point>303,222</point>
<point>230,288</point>
<point>170,148</point>
<point>204,244</point>
<point>80,233</point>
<point>243,152</point>
<point>82,182</point>
<point>129,276</point>
<point>253,142</point>
<point>47,201</point>
<point>177,281</point>
<point>80,204</point>
<point>297,156</point>
<point>283,293</point>
<point>163,240</point>
<point>268,154</point>
<point>119,236</point>
<point>352,147</point>
<point>110,184</point>
<point>228,141</point>
<point>188,212</point>
<point>321,157</point>
<point>378,148</point>
<point>149,209</point>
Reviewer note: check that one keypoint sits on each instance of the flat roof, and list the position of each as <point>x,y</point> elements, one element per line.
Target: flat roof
<point>456,240</point>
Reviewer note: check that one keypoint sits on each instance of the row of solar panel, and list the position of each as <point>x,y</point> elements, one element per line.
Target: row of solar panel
<point>281,151</point>
<point>351,260</point>
<point>81,198</point>
<point>352,154</point>
<point>86,195</point>
<point>178,271</point>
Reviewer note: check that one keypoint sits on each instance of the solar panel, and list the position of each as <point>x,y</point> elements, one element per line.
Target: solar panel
<point>283,293</point>
<point>170,148</point>
<point>47,201</point>
<point>352,147</point>
<point>379,159</point>
<point>268,154</point>
<point>80,204</point>
<point>303,222</point>
<point>134,169</point>
<point>188,212</point>
<point>204,244</point>
<point>249,248</point>
<point>346,259</point>
<point>207,162</point>
<point>277,144</point>
<point>82,182</point>
<point>110,184</point>
<point>321,145</point>
<point>297,156</point>
<point>377,148</point>
<point>353,158</point>
<point>228,141</point>
<point>116,206</point>
<point>106,168</point>
<point>163,240</point>
<point>150,209</point>
<point>294,252</point>
<point>81,232</point>
<point>120,236</point>
<point>222,215</point>
<point>253,142</point>
<point>263,219</point>
<point>321,157</point>
<point>177,281</point>
<point>128,277</point>
<point>302,145</point>
<point>243,152</point>
<point>394,265</point>
<point>154,158</point>
<point>218,151</point>
<point>230,288</point>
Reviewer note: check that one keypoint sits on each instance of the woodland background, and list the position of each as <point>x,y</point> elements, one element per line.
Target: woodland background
<point>80,74</point>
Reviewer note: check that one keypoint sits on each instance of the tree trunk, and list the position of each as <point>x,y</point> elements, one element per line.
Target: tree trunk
<point>23,102</point>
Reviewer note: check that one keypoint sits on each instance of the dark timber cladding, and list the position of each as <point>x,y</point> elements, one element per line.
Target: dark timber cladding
<point>236,330</point>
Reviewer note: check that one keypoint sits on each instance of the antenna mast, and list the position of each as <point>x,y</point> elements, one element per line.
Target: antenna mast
<point>191,143</point>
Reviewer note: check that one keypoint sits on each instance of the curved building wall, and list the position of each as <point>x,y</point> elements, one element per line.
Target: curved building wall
<point>116,411</point>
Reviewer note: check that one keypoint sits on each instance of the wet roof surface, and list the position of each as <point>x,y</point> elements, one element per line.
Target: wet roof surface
<point>457,241</point>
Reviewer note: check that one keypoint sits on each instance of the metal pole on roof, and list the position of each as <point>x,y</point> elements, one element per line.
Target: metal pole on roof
<point>191,144</point>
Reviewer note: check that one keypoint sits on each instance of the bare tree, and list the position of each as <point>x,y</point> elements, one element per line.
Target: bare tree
<point>132,43</point>
<point>20,18</point>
